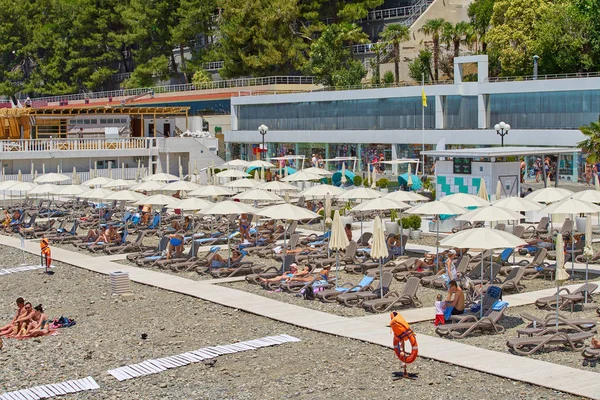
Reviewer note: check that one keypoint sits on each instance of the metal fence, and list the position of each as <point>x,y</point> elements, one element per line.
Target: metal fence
<point>37,145</point>
<point>543,77</point>
<point>115,173</point>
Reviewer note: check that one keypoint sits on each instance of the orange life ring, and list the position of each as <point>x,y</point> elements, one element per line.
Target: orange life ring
<point>399,348</point>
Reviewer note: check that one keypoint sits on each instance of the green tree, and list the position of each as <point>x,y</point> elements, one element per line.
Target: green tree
<point>455,34</point>
<point>201,76</point>
<point>480,12</point>
<point>589,9</point>
<point>420,68</point>
<point>591,144</point>
<point>393,35</point>
<point>331,61</point>
<point>512,36</point>
<point>433,28</point>
<point>260,37</point>
<point>563,40</point>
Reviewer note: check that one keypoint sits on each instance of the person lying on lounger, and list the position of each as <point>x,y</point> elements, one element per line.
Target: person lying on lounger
<point>218,261</point>
<point>21,312</point>
<point>322,275</point>
<point>175,245</point>
<point>286,277</point>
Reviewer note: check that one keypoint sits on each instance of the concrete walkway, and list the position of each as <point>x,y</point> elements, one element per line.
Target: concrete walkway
<point>371,329</point>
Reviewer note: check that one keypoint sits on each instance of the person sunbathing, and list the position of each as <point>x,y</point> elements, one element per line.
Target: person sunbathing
<point>545,243</point>
<point>595,343</point>
<point>97,236</point>
<point>21,312</point>
<point>40,326</point>
<point>175,245</point>
<point>287,277</point>
<point>217,261</point>
<point>92,235</point>
<point>112,235</point>
<point>7,220</point>
<point>322,275</point>
<point>22,322</point>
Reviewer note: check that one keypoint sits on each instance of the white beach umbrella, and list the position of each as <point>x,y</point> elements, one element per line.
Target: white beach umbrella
<point>183,186</point>
<point>211,190</point>
<point>232,173</point>
<point>150,186</point>
<point>43,189</point>
<point>21,187</point>
<point>161,177</point>
<point>119,184</point>
<point>549,195</point>
<point>301,176</point>
<point>361,193</point>
<point>236,163</point>
<point>260,163</point>
<point>52,177</point>
<point>570,205</point>
<point>99,193</point>
<point>379,248</point>
<point>99,181</point>
<point>490,213</point>
<point>159,200</point>
<point>590,195</point>
<point>380,204</point>
<point>436,208</point>
<point>287,212</point>
<point>560,275</point>
<point>327,212</point>
<point>277,186</point>
<point>257,195</point>
<point>244,183</point>
<point>262,174</point>
<point>8,184</point>
<point>401,195</point>
<point>70,190</point>
<point>338,241</point>
<point>193,203</point>
<point>464,200</point>
<point>127,195</point>
<point>517,204</point>
<point>321,191</point>
<point>318,171</point>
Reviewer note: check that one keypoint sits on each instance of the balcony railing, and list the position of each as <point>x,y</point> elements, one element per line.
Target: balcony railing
<point>116,173</point>
<point>40,145</point>
<point>543,77</point>
<point>232,83</point>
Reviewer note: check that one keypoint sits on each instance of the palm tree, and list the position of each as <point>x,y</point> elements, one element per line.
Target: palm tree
<point>434,28</point>
<point>591,145</point>
<point>351,34</point>
<point>393,35</point>
<point>455,35</point>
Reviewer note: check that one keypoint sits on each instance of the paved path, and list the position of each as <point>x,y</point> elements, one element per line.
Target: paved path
<point>371,329</point>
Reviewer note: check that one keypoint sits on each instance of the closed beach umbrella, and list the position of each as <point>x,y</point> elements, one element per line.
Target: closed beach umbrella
<point>588,251</point>
<point>498,190</point>
<point>374,179</point>
<point>327,211</point>
<point>560,275</point>
<point>409,180</point>
<point>343,173</point>
<point>379,248</point>
<point>52,177</point>
<point>338,241</point>
<point>482,192</point>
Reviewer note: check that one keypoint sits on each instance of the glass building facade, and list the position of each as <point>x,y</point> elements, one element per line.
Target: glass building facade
<point>363,114</point>
<point>542,110</point>
<point>460,112</point>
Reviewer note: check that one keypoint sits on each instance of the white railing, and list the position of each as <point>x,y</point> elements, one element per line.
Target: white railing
<point>33,145</point>
<point>115,173</point>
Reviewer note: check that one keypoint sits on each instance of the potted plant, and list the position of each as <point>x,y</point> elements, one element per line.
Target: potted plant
<point>392,226</point>
<point>357,181</point>
<point>415,225</point>
<point>405,223</point>
<point>382,184</point>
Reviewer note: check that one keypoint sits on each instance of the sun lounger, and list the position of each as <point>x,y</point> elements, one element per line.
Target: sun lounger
<point>512,280</point>
<point>566,297</point>
<point>591,355</point>
<point>527,346</point>
<point>549,321</point>
<point>541,228</point>
<point>468,324</point>
<point>357,298</point>
<point>330,295</point>
<point>393,300</point>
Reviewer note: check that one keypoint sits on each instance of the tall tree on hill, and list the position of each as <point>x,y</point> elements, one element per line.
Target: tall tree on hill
<point>260,38</point>
<point>480,12</point>
<point>433,28</point>
<point>393,35</point>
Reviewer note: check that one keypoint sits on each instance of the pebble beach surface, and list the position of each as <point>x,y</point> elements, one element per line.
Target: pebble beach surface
<point>108,335</point>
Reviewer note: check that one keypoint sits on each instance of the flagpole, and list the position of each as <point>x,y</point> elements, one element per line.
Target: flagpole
<point>423,126</point>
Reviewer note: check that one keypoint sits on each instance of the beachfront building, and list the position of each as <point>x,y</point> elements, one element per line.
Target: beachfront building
<point>541,111</point>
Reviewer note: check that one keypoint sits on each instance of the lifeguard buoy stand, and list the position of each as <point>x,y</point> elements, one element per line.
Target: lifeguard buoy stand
<point>46,255</point>
<point>403,333</point>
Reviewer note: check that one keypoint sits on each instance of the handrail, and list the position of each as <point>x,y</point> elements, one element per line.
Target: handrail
<point>231,83</point>
<point>575,75</point>
<point>75,144</point>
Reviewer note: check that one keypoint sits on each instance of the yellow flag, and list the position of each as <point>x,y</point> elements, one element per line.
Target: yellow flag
<point>424,98</point>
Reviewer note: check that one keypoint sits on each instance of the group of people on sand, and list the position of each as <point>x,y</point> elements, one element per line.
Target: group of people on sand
<point>28,322</point>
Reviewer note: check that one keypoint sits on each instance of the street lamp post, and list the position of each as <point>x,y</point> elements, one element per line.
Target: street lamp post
<point>502,129</point>
<point>263,129</point>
